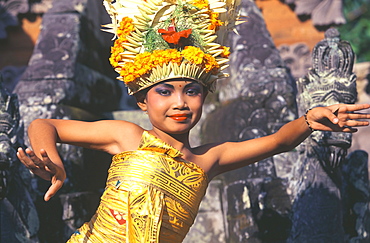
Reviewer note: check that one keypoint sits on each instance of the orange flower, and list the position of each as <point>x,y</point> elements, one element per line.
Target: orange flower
<point>145,62</point>
<point>226,52</point>
<point>215,22</point>
<point>171,36</point>
<point>125,27</point>
<point>210,64</point>
<point>116,50</point>
<point>123,30</point>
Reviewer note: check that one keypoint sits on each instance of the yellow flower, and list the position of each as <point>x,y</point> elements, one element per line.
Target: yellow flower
<point>125,27</point>
<point>202,4</point>
<point>215,22</point>
<point>145,62</point>
<point>226,52</point>
<point>210,64</point>
<point>193,54</point>
<point>116,50</point>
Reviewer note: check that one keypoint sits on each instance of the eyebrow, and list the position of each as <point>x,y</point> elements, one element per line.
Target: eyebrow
<point>168,85</point>
<point>187,85</point>
<point>193,83</point>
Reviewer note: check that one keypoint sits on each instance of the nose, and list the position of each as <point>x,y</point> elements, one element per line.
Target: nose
<point>179,102</point>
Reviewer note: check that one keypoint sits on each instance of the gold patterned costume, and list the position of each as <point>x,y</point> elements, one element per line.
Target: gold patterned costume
<point>151,195</point>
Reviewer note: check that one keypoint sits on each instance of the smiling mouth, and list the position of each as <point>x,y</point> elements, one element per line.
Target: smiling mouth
<point>179,117</point>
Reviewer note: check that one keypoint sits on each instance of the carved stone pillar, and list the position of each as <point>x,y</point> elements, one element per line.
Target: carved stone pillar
<point>317,208</point>
<point>69,77</point>
<point>19,221</point>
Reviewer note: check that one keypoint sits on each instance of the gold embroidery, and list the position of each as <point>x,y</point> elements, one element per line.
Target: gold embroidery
<point>152,195</point>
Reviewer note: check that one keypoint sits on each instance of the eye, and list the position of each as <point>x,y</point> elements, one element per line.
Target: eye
<point>163,91</point>
<point>193,91</point>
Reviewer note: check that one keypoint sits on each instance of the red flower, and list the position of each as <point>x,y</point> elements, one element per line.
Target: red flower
<point>171,36</point>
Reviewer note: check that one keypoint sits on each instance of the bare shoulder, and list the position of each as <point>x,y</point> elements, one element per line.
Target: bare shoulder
<point>206,156</point>
<point>126,134</point>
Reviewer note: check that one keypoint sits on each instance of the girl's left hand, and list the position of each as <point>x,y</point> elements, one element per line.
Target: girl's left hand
<point>338,117</point>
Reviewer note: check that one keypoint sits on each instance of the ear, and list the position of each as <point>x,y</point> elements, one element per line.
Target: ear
<point>142,106</point>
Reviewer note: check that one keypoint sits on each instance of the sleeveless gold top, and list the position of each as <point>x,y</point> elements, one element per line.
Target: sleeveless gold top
<point>151,195</point>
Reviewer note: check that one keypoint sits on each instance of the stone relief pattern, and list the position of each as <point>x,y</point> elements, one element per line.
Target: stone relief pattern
<point>18,217</point>
<point>297,57</point>
<point>255,101</point>
<point>63,82</point>
<point>317,182</point>
<point>322,12</point>
<point>16,7</point>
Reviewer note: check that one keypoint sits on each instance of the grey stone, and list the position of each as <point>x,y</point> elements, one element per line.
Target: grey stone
<point>210,224</point>
<point>322,12</point>
<point>317,207</point>
<point>255,101</point>
<point>18,217</point>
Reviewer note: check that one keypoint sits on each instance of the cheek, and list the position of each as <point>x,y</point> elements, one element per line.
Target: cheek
<point>155,103</point>
<point>197,104</point>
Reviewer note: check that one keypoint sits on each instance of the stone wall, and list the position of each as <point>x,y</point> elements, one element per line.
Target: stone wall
<point>69,77</point>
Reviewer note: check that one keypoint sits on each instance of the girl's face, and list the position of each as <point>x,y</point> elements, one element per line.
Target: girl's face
<point>174,106</point>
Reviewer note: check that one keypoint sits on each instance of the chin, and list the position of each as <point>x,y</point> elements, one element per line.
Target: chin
<point>179,130</point>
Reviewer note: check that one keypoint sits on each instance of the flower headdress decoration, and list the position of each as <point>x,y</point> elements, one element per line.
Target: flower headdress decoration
<point>157,40</point>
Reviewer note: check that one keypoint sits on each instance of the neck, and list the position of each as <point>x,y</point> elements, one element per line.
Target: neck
<point>178,141</point>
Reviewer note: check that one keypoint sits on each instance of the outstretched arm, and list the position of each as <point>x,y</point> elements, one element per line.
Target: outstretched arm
<point>44,160</point>
<point>337,118</point>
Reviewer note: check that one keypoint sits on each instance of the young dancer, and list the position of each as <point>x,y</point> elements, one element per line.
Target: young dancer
<point>166,57</point>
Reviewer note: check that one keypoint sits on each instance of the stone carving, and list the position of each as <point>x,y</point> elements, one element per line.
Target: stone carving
<point>16,7</point>
<point>317,212</point>
<point>69,77</point>
<point>356,199</point>
<point>10,10</point>
<point>297,58</point>
<point>9,121</point>
<point>256,100</point>
<point>322,12</point>
<point>18,216</point>
<point>330,81</point>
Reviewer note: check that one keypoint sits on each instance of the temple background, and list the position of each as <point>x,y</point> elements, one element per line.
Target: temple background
<point>76,82</point>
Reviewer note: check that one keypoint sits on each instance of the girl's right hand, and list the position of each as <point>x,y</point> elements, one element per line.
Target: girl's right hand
<point>43,168</point>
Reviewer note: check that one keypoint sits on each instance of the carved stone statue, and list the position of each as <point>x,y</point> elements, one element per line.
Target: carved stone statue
<point>9,120</point>
<point>317,208</point>
<point>18,217</point>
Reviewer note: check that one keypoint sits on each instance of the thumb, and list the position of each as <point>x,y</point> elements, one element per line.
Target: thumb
<point>332,116</point>
<point>335,119</point>
<point>53,189</point>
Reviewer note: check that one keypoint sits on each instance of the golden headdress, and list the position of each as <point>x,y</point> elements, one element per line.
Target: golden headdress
<point>157,40</point>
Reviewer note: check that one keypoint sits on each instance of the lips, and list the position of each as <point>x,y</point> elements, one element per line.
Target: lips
<point>179,117</point>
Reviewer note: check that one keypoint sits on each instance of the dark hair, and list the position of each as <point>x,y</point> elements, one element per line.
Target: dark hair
<point>141,95</point>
